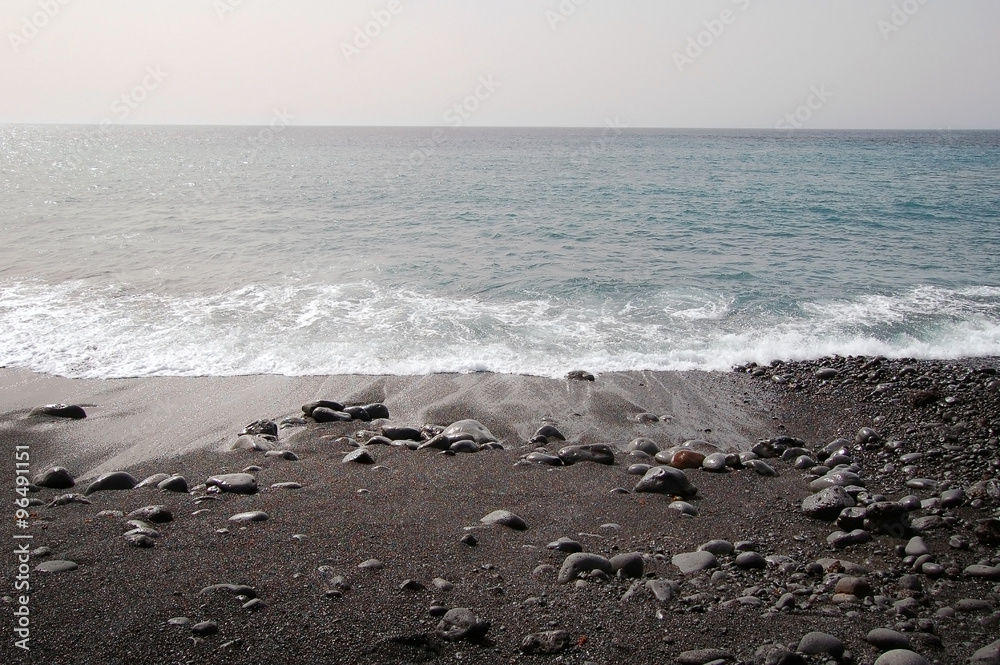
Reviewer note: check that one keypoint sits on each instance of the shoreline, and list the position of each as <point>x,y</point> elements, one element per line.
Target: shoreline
<point>413,510</point>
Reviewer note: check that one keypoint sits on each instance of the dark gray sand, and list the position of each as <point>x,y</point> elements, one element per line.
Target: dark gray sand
<point>411,510</point>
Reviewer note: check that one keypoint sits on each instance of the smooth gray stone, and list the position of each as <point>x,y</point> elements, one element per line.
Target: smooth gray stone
<point>283,454</point>
<point>205,628</point>
<point>922,484</point>
<point>601,453</point>
<point>143,531</point>
<point>505,518</point>
<point>886,639</point>
<point>464,446</point>
<point>460,623</point>
<point>638,469</point>
<point>549,432</point>
<point>116,480</point>
<point>371,564</point>
<point>819,643</point>
<point>287,485</point>
<point>750,560</point>
<point>683,507</point>
<point>663,590</point>
<point>57,478</point>
<point>360,456</point>
<point>826,373</point>
<point>666,480</point>
<point>66,499</point>
<point>901,657</point>
<point>474,428</point>
<point>716,462</point>
<point>543,458</point>
<point>137,539</point>
<point>155,514</point>
<point>232,589</point>
<point>72,411</point>
<point>987,655</point>
<point>643,444</point>
<point>841,539</point>
<point>917,546</point>
<point>762,467</point>
<point>252,442</point>
<point>950,498</point>
<point>583,562</point>
<point>250,516</point>
<point>718,547</point>
<point>703,656</point>
<point>928,523</point>
<point>836,478</point>
<point>565,545</point>
<point>56,566</point>
<point>826,504</point>
<point>787,600</point>
<point>173,484</point>
<point>441,584</point>
<point>376,410</point>
<point>309,407</point>
<point>694,562</point>
<point>988,572</point>
<point>235,483</point>
<point>322,414</point>
<point>629,564</point>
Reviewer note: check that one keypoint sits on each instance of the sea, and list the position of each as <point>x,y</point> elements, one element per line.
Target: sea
<point>130,251</point>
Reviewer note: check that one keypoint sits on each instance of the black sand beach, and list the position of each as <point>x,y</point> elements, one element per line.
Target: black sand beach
<point>411,509</point>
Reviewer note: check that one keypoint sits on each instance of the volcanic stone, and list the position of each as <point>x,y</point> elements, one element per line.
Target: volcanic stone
<point>55,478</point>
<point>116,480</point>
<point>505,518</point>
<point>666,480</point>
<point>582,562</point>
<point>235,483</point>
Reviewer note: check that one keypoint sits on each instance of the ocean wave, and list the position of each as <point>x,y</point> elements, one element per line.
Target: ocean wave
<point>79,330</point>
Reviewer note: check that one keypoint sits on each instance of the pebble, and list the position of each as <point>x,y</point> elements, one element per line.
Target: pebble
<point>371,564</point>
<point>137,539</point>
<point>629,564</point>
<point>156,514</point>
<point>582,562</point>
<point>72,411</point>
<point>56,566</point>
<point>359,456</point>
<point>505,518</point>
<point>694,562</point>
<point>987,655</point>
<point>56,477</point>
<point>826,504</point>
<point>600,453</point>
<point>916,546</point>
<point>116,480</point>
<point>666,480</point>
<point>750,561</point>
<point>565,544</point>
<point>235,483</point>
<point>546,642</point>
<point>173,484</point>
<point>683,507</point>
<point>762,467</point>
<point>821,643</point>
<point>250,516</point>
<point>287,485</point>
<point>703,656</point>
<point>642,444</point>
<point>283,454</point>
<point>901,657</point>
<point>716,462</point>
<point>479,432</point>
<point>886,639</point>
<point>461,623</point>
<point>718,547</point>
<point>205,628</point>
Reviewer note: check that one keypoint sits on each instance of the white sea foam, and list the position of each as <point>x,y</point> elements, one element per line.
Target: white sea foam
<point>74,329</point>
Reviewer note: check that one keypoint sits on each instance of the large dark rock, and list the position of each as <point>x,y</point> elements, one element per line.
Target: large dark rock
<point>57,478</point>
<point>666,480</point>
<point>460,623</point>
<point>258,427</point>
<point>600,453</point>
<point>235,483</point>
<point>116,480</point>
<point>72,411</point>
<point>309,407</point>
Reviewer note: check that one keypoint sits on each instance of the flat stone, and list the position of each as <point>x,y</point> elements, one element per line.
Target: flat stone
<point>371,564</point>
<point>988,572</point>
<point>116,480</point>
<point>56,566</point>
<point>231,589</point>
<point>250,516</point>
<point>663,590</point>
<point>703,656</point>
<point>582,562</point>
<point>694,562</point>
<point>841,539</point>
<point>922,484</point>
<point>155,514</point>
<point>565,544</point>
<point>901,657</point>
<point>539,457</point>
<point>683,507</point>
<point>400,433</point>
<point>819,643</point>
<point>505,518</point>
<point>235,483</point>
<point>886,639</point>
<point>283,454</point>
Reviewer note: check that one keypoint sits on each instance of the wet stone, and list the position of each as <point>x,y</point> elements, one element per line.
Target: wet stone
<point>250,516</point>
<point>116,480</point>
<point>56,477</point>
<point>235,483</point>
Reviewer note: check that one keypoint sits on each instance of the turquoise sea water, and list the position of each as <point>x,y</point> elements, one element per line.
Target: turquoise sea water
<point>139,251</point>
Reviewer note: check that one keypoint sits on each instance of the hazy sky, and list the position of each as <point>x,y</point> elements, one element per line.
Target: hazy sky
<point>931,64</point>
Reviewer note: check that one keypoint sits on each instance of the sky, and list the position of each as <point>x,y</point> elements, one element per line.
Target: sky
<point>819,64</point>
